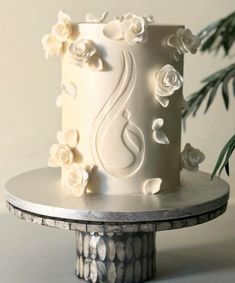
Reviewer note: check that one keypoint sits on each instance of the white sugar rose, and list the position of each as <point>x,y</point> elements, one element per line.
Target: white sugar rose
<point>167,81</point>
<point>191,158</point>
<point>63,28</point>
<point>130,27</point>
<point>184,41</point>
<point>134,29</point>
<point>75,179</point>
<point>60,155</point>
<point>85,54</point>
<point>51,45</point>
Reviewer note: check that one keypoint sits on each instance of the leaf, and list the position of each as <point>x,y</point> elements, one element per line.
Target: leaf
<point>228,155</point>
<point>225,94</point>
<point>224,29</point>
<point>228,145</point>
<point>233,83</point>
<point>227,168</point>
<point>210,89</point>
<point>212,95</point>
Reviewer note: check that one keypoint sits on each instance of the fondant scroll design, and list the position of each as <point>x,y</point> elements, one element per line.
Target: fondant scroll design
<point>131,136</point>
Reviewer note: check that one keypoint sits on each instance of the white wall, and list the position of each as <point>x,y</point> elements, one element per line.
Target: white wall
<point>29,84</point>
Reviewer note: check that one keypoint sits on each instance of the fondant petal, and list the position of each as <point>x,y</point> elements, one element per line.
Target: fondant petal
<point>152,186</point>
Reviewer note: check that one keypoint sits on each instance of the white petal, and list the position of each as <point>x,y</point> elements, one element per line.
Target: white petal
<point>157,124</point>
<point>96,63</point>
<point>112,30</point>
<point>150,19</point>
<point>60,137</point>
<point>160,137</point>
<point>53,148</point>
<point>70,138</point>
<point>59,101</point>
<point>162,100</point>
<point>63,16</point>
<point>171,41</point>
<point>90,18</point>
<point>152,186</point>
<point>52,162</point>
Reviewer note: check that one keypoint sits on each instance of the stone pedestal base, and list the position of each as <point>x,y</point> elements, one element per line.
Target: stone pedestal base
<point>115,257</point>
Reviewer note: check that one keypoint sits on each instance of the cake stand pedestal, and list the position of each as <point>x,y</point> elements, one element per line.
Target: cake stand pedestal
<point>115,235</point>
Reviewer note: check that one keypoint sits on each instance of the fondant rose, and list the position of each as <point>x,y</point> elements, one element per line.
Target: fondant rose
<point>60,155</point>
<point>84,54</point>
<point>63,28</point>
<point>191,158</point>
<point>130,27</point>
<point>167,81</point>
<point>134,29</point>
<point>63,153</point>
<point>75,179</point>
<point>184,41</point>
<point>51,45</point>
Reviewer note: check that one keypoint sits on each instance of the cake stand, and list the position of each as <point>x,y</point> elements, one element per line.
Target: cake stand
<point>115,235</point>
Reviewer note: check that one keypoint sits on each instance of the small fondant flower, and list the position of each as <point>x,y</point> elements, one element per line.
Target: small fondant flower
<point>60,155</point>
<point>63,28</point>
<point>51,45</point>
<point>191,158</point>
<point>184,41</point>
<point>85,54</point>
<point>75,179</point>
<point>167,81</point>
<point>63,153</point>
<point>130,27</point>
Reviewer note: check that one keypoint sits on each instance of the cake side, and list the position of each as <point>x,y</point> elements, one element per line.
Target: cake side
<point>121,105</point>
<point>114,111</point>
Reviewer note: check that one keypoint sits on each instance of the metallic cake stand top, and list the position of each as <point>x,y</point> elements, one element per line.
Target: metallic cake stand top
<point>39,192</point>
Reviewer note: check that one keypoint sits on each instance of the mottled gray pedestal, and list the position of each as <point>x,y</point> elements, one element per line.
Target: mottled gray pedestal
<point>115,235</point>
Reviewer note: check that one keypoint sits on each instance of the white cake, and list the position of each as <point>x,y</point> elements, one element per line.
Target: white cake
<point>121,104</point>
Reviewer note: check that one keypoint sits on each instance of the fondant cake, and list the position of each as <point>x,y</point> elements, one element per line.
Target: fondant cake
<point>121,104</point>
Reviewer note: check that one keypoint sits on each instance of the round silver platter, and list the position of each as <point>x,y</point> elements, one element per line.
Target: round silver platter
<point>40,192</point>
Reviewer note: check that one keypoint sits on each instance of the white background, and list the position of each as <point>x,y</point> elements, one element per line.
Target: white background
<point>29,121</point>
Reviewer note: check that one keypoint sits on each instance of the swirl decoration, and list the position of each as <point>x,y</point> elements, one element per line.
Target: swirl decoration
<point>132,137</point>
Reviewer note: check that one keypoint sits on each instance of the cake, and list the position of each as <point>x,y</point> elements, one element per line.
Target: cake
<point>121,104</point>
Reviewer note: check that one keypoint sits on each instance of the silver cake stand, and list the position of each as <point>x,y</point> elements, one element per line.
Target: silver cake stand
<point>115,235</point>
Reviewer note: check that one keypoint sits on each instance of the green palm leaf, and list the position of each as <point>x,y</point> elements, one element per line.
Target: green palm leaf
<point>223,159</point>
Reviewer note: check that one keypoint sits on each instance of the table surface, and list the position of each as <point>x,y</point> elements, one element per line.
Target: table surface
<point>38,254</point>
<point>40,192</point>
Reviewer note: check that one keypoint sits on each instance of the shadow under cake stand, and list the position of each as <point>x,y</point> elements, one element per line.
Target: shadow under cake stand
<point>115,235</point>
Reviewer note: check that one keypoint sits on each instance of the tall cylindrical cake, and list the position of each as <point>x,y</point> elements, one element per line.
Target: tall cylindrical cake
<point>121,104</point>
